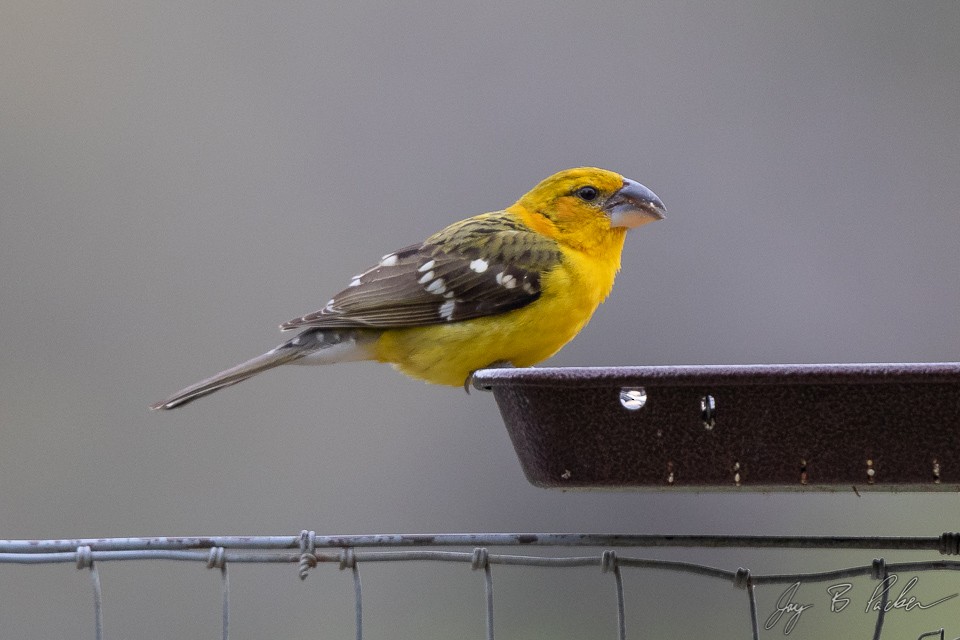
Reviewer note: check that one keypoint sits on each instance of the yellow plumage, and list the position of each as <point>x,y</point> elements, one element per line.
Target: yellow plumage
<point>510,286</point>
<point>448,353</point>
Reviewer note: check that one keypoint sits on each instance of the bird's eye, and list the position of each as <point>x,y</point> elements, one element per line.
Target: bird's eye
<point>587,193</point>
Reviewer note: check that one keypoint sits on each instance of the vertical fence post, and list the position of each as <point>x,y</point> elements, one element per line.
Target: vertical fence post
<point>217,560</point>
<point>349,560</point>
<point>743,580</point>
<point>608,563</point>
<point>481,559</point>
<point>880,574</point>
<point>85,561</point>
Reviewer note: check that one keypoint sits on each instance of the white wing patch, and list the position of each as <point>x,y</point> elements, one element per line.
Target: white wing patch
<point>388,260</point>
<point>479,265</point>
<point>437,287</point>
<point>506,280</point>
<point>446,309</point>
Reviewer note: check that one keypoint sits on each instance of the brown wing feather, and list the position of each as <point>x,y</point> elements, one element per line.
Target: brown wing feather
<point>481,266</point>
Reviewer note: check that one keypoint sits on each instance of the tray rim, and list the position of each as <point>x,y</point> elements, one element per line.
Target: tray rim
<point>720,374</point>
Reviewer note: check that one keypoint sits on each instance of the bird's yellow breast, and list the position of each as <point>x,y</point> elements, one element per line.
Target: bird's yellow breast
<point>449,353</point>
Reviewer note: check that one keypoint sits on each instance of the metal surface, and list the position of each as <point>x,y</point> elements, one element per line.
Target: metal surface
<point>849,427</point>
<point>291,548</point>
<point>213,552</point>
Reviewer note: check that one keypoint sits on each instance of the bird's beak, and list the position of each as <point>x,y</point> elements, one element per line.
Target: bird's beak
<point>633,205</point>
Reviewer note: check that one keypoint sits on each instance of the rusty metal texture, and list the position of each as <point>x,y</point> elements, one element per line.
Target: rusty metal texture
<point>828,427</point>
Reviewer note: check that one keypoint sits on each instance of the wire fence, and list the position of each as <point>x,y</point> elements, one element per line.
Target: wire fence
<point>307,550</point>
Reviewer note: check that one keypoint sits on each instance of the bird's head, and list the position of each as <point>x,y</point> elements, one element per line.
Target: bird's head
<point>588,200</point>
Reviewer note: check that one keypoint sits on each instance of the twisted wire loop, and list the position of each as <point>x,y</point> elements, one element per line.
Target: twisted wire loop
<point>348,560</point>
<point>85,561</point>
<point>481,560</point>
<point>743,580</point>
<point>950,544</point>
<point>308,545</point>
<point>879,569</point>
<point>84,558</point>
<point>608,564</point>
<point>217,560</point>
<point>880,573</point>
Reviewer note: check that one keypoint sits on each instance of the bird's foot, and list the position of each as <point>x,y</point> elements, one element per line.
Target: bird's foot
<point>497,364</point>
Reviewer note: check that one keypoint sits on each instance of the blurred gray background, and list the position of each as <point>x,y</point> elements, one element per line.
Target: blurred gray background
<point>177,178</point>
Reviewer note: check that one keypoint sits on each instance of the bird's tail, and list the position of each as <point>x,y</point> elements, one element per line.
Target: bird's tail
<point>231,376</point>
<point>313,346</point>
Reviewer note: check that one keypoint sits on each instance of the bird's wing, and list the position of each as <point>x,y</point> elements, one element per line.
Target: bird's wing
<point>481,266</point>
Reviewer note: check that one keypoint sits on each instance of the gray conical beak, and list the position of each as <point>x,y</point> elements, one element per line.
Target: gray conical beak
<point>633,205</point>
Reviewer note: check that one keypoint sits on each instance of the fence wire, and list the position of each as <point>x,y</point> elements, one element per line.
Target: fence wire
<point>307,550</point>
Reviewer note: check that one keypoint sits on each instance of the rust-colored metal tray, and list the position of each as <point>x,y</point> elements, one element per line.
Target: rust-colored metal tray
<point>888,427</point>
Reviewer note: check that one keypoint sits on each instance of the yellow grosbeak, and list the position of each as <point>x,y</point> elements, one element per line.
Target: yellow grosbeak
<point>507,287</point>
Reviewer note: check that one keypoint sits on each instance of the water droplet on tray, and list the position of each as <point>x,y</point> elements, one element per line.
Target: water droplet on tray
<point>708,412</point>
<point>633,399</point>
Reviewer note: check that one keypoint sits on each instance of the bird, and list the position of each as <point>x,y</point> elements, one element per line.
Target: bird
<point>505,288</point>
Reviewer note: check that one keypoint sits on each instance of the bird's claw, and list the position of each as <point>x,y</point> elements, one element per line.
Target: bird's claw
<point>497,364</point>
